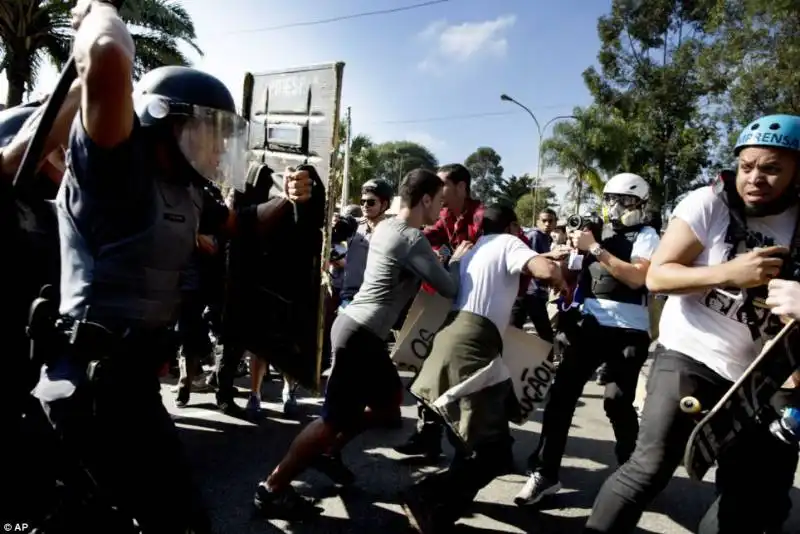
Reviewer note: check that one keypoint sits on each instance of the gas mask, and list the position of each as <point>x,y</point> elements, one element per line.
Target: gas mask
<point>623,211</point>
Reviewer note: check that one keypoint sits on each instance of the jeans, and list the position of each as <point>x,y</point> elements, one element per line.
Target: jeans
<point>754,476</point>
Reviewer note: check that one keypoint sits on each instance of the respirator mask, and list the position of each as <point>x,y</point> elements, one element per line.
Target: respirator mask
<point>623,211</point>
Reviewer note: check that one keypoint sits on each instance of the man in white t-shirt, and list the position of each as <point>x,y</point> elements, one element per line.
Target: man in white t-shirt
<point>467,351</point>
<point>721,239</point>
<point>613,329</point>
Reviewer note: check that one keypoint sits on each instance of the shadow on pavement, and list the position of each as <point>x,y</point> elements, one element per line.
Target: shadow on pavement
<point>231,456</point>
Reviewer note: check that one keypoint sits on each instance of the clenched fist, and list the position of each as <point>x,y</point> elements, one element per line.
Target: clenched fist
<point>297,185</point>
<point>784,298</point>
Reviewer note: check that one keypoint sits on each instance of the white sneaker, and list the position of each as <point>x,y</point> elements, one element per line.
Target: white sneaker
<point>535,489</point>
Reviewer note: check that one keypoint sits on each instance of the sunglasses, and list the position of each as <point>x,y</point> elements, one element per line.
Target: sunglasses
<point>369,202</point>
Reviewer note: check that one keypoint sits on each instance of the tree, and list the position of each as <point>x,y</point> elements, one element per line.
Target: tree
<point>32,31</point>
<point>396,158</point>
<point>649,78</point>
<point>594,144</point>
<point>511,189</point>
<point>487,173</point>
<point>752,63</point>
<point>530,205</point>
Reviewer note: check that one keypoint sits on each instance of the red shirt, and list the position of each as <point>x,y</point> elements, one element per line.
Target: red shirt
<point>452,229</point>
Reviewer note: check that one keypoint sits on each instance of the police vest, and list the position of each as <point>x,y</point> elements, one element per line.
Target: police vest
<point>598,283</point>
<point>121,276</point>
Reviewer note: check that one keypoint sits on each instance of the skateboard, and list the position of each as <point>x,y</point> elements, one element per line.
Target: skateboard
<point>745,404</point>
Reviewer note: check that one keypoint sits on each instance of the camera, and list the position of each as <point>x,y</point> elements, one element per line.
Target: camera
<point>591,221</point>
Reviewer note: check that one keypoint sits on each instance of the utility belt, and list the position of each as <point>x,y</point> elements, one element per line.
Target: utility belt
<point>91,344</point>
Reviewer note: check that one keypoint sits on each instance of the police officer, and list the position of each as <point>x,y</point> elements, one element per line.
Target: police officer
<point>128,212</point>
<point>30,231</point>
<point>613,329</point>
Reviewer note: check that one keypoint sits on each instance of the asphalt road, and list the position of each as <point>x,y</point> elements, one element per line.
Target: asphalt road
<point>231,456</point>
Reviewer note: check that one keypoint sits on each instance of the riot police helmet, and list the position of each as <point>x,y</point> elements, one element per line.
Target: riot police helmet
<point>200,109</point>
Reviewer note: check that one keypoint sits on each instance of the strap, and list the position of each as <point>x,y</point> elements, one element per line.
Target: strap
<point>738,233</point>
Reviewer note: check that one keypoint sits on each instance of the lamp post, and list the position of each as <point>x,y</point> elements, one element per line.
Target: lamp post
<point>540,130</point>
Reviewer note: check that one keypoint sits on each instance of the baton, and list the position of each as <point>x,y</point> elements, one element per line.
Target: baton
<point>33,152</point>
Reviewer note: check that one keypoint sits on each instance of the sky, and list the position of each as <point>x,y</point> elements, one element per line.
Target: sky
<point>433,75</point>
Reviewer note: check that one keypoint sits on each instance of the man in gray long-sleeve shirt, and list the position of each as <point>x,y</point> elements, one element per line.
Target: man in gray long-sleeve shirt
<point>363,374</point>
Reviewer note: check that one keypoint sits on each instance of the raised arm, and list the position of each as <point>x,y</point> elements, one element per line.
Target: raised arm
<point>104,53</point>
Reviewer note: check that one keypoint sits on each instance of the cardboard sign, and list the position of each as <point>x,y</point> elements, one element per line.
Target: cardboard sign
<point>525,355</point>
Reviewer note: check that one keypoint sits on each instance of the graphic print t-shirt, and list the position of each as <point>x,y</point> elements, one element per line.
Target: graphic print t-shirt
<point>709,326</point>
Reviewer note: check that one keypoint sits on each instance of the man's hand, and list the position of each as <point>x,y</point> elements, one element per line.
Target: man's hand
<point>559,253</point>
<point>462,249</point>
<point>583,239</point>
<point>784,298</point>
<point>755,268</point>
<point>82,8</point>
<point>297,185</point>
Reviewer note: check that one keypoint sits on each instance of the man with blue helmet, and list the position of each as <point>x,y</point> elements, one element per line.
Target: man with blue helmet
<point>724,245</point>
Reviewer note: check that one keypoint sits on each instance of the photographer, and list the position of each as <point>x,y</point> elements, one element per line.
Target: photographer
<point>613,329</point>
<point>723,243</point>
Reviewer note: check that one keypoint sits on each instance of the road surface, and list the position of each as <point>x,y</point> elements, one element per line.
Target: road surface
<point>231,456</point>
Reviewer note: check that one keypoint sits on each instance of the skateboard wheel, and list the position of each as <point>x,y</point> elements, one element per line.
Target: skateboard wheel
<point>690,405</point>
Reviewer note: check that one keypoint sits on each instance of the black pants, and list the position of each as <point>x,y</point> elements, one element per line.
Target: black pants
<point>625,352</point>
<point>535,308</point>
<point>754,477</point>
<point>454,489</point>
<point>227,367</point>
<point>119,431</point>
<point>193,329</point>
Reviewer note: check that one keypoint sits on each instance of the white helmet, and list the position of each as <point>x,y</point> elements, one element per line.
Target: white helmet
<point>627,183</point>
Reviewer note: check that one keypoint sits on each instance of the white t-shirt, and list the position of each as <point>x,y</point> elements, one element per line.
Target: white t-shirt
<point>705,326</point>
<point>490,277</point>
<point>624,314</point>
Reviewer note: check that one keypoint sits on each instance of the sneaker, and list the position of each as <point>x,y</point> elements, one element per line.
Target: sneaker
<point>286,504</point>
<point>289,398</point>
<point>253,404</point>
<point>229,407</point>
<point>331,466</point>
<point>535,489</point>
<point>422,443</point>
<point>182,400</point>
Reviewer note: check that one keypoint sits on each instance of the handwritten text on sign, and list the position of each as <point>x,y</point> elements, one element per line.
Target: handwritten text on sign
<point>525,355</point>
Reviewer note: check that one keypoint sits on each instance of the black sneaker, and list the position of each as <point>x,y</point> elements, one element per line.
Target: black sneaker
<point>332,467</point>
<point>287,504</point>
<point>423,443</point>
<point>229,407</point>
<point>182,400</point>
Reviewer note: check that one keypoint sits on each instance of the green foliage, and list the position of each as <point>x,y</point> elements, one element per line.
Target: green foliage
<point>487,173</point>
<point>32,31</point>
<point>530,204</point>
<point>752,61</point>
<point>648,112</point>
<point>511,189</point>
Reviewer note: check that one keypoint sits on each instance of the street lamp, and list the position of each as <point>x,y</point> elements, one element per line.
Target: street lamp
<point>540,130</point>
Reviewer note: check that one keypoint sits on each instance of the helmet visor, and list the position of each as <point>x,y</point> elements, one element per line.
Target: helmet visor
<point>214,142</point>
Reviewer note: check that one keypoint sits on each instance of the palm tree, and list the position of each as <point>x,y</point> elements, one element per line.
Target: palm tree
<point>32,31</point>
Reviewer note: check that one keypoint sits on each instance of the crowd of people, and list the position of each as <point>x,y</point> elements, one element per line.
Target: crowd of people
<point>127,216</point>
